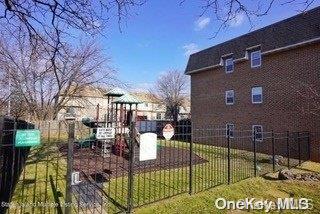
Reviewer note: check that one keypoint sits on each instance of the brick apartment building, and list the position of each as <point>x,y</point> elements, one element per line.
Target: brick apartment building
<point>264,80</point>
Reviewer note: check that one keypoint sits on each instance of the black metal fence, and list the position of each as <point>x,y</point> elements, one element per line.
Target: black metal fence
<point>73,171</point>
<point>12,159</point>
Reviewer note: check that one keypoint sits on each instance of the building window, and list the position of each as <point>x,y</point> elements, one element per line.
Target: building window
<point>230,128</point>
<point>256,95</point>
<point>229,65</point>
<point>257,129</point>
<point>159,116</point>
<point>230,97</point>
<point>255,59</point>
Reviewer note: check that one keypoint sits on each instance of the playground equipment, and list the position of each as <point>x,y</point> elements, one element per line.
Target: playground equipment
<point>121,111</point>
<point>88,142</point>
<point>125,111</point>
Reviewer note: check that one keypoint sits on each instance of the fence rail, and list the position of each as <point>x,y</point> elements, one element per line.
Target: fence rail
<point>113,180</point>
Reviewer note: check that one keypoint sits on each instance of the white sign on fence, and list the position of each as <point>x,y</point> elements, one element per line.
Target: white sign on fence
<point>148,146</point>
<point>105,133</point>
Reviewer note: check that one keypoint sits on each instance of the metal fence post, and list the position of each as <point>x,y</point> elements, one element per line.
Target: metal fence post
<point>254,153</point>
<point>130,174</point>
<point>299,147</point>
<point>2,186</point>
<point>71,135</point>
<point>309,146</point>
<point>288,149</point>
<point>190,162</point>
<point>273,152</point>
<point>228,141</point>
<point>14,151</point>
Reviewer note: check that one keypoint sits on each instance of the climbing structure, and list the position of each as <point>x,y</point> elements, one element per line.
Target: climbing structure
<point>122,109</point>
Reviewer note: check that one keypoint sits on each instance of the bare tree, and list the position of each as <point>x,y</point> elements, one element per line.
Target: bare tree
<point>4,94</point>
<point>40,80</point>
<point>227,12</point>
<point>52,19</point>
<point>171,89</point>
<point>51,23</point>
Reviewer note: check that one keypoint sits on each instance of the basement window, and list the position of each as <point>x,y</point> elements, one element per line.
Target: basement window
<point>229,65</point>
<point>256,59</point>
<point>258,131</point>
<point>230,97</point>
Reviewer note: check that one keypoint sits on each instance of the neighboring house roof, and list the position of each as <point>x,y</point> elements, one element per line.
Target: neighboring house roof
<point>186,103</point>
<point>300,28</point>
<point>146,97</point>
<point>87,91</point>
<point>127,99</point>
<point>116,92</point>
<point>73,106</point>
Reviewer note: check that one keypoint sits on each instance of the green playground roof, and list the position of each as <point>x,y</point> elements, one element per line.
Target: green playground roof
<point>116,92</point>
<point>127,99</point>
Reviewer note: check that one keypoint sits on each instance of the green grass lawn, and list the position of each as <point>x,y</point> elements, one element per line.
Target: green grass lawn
<point>153,186</point>
<point>259,188</point>
<point>43,179</point>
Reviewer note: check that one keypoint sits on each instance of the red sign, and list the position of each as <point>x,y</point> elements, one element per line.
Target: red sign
<point>168,131</point>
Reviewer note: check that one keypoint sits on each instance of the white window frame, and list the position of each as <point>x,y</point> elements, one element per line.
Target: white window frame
<point>226,63</point>
<point>226,97</point>
<point>251,59</point>
<point>257,140</point>
<point>230,124</point>
<point>255,102</point>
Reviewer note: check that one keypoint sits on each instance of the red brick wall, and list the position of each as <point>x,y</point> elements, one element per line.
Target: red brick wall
<point>280,76</point>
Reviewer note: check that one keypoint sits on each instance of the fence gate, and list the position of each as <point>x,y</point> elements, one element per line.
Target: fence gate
<point>98,169</point>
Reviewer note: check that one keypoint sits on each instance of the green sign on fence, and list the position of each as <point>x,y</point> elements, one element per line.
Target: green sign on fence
<point>27,138</point>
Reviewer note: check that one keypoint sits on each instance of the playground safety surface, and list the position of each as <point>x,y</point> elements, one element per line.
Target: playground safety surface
<point>92,165</point>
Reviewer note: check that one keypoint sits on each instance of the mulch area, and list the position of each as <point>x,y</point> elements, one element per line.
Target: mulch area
<point>92,165</point>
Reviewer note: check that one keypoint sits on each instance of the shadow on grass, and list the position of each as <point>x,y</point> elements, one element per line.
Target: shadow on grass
<point>270,178</point>
<point>56,195</point>
<point>106,195</point>
<point>28,181</point>
<point>47,151</point>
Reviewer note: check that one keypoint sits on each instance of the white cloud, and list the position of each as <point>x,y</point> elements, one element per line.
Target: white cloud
<point>237,20</point>
<point>190,49</point>
<point>201,23</point>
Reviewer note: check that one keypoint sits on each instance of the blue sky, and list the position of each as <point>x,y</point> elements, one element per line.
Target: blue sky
<point>159,36</point>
